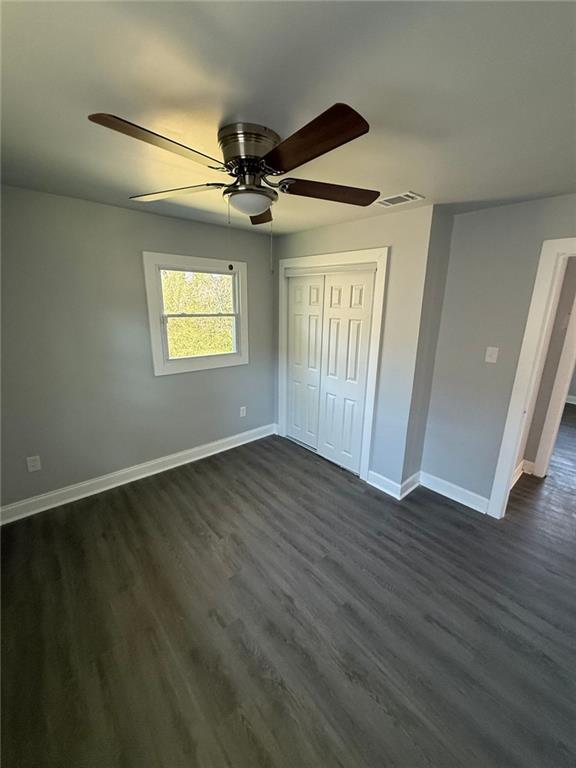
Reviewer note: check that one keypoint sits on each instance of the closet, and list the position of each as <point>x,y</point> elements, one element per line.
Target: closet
<point>329,321</point>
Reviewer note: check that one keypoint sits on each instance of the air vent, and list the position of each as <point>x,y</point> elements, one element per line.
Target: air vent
<point>405,197</point>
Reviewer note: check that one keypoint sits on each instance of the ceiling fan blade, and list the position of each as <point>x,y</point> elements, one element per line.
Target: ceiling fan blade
<point>143,134</point>
<point>334,192</point>
<point>176,192</point>
<point>334,127</point>
<point>262,218</point>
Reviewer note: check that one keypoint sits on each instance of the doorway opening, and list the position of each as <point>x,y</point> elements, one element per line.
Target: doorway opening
<point>551,404</point>
<point>544,373</point>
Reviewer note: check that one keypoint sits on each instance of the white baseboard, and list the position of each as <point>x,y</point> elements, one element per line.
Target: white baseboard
<point>396,490</point>
<point>77,491</point>
<point>571,399</point>
<point>383,484</point>
<point>530,469</point>
<point>518,472</point>
<point>410,484</point>
<point>454,492</point>
<point>443,487</point>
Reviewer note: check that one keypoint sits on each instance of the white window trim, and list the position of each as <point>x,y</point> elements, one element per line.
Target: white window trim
<point>153,263</point>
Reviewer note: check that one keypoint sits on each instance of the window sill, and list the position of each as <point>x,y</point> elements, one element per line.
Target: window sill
<point>187,365</point>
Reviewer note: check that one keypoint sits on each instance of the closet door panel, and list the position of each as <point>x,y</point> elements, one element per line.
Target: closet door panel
<point>305,318</point>
<point>347,322</point>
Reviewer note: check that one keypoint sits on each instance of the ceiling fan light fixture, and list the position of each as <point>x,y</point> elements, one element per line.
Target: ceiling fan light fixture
<point>251,202</point>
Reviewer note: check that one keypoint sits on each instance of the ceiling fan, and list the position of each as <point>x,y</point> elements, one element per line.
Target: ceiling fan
<point>253,154</point>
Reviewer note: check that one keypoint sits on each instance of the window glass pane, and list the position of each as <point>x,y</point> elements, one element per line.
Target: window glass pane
<point>197,292</point>
<point>199,336</point>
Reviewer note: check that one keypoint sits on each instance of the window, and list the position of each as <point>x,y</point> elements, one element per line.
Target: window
<point>197,312</point>
<point>199,315</point>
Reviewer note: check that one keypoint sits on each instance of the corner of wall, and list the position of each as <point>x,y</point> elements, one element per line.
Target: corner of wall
<point>431,312</point>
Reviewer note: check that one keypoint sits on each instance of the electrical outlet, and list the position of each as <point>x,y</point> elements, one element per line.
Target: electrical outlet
<point>242,411</point>
<point>33,463</point>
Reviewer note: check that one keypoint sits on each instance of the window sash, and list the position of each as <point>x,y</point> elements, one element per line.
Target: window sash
<point>166,346</point>
<point>233,275</point>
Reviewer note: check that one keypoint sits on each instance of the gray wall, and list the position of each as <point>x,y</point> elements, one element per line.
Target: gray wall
<point>407,233</point>
<point>565,303</point>
<point>78,385</point>
<point>493,260</point>
<point>436,271</point>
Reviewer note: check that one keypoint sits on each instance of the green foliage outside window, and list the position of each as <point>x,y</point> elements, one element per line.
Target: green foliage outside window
<point>198,293</point>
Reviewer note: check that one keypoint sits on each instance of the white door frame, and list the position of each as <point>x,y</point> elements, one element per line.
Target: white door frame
<point>557,398</point>
<point>357,260</point>
<point>547,286</point>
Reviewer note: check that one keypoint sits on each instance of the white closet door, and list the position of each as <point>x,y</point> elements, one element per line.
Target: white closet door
<point>305,306</point>
<point>345,346</point>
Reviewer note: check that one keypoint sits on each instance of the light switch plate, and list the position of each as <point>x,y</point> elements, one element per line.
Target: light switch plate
<point>242,411</point>
<point>491,354</point>
<point>33,463</point>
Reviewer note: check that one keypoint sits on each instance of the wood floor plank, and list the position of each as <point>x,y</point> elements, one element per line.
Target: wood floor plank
<point>263,608</point>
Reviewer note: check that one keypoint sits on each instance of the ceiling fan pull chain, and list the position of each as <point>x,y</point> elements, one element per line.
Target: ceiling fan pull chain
<point>230,235</point>
<point>272,246</point>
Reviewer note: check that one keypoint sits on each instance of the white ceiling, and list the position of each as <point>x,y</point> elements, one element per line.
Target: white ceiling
<point>467,102</point>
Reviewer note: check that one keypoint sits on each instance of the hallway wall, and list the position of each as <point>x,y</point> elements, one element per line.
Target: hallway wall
<point>493,260</point>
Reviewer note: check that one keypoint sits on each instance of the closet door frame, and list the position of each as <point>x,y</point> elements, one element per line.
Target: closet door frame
<point>375,259</point>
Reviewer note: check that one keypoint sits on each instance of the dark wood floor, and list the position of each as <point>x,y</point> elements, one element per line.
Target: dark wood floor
<point>263,608</point>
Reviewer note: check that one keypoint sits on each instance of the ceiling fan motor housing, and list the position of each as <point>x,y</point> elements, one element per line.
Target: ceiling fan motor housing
<point>242,145</point>
<point>245,141</point>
